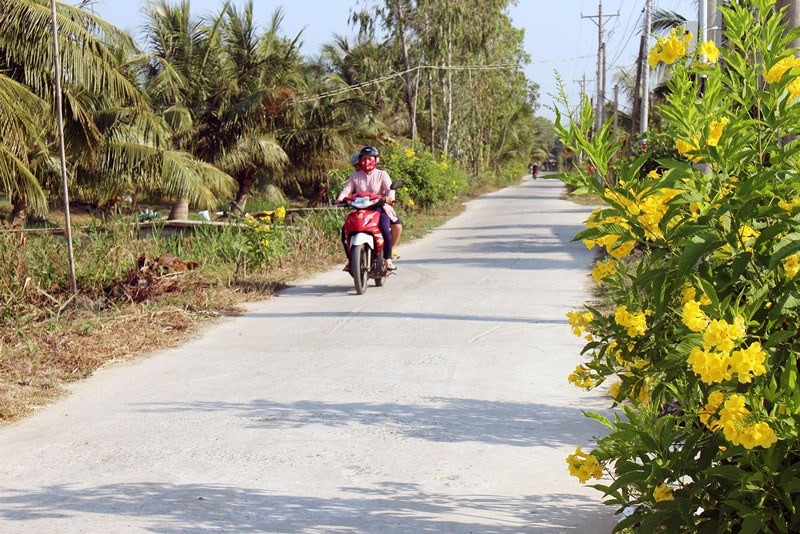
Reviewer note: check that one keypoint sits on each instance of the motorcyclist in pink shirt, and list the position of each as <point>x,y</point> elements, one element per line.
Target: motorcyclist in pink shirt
<point>367,178</point>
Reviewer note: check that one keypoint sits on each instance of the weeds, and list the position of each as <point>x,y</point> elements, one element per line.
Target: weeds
<point>130,302</point>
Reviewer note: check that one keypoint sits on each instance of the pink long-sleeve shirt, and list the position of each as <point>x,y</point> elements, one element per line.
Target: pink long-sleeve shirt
<point>376,181</point>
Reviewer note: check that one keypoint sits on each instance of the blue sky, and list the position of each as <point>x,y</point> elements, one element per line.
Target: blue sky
<point>556,37</point>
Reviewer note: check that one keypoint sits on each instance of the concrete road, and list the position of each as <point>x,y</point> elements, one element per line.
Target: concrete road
<point>438,403</point>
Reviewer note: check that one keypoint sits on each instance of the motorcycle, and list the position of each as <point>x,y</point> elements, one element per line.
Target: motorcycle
<point>363,238</point>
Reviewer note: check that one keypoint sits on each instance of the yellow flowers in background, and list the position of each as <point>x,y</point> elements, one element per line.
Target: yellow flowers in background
<point>715,132</point>
<point>663,493</point>
<point>710,50</point>
<point>669,48</point>
<point>584,466</point>
<point>776,72</point>
<point>581,378</point>
<point>636,322</point>
<point>579,322</point>
<point>603,269</point>
<point>791,265</point>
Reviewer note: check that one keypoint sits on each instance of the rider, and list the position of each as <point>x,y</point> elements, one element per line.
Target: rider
<point>371,180</point>
<point>535,170</point>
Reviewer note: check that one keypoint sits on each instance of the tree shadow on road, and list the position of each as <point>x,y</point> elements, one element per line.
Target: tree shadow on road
<point>387,507</point>
<point>437,419</point>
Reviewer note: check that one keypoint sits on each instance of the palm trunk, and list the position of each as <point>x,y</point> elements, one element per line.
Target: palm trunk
<point>412,112</point>
<point>449,92</point>
<point>180,210</point>
<point>432,115</point>
<point>246,180</point>
<point>18,213</point>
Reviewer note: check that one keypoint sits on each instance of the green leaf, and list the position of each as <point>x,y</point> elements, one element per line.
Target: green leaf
<point>753,524</point>
<point>599,418</point>
<point>694,250</point>
<point>777,337</point>
<point>726,471</point>
<point>628,478</point>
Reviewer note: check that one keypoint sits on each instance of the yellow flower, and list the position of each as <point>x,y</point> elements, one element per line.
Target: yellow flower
<point>409,152</point>
<point>749,362</point>
<point>603,269</point>
<point>581,378</point>
<point>794,88</point>
<point>614,389</point>
<point>757,435</point>
<point>715,400</point>
<point>579,321</point>
<point>410,201</point>
<point>662,493</point>
<point>654,57</point>
<point>779,69</point>
<point>715,131</point>
<point>791,265</point>
<point>584,466</point>
<point>693,317</point>
<point>636,323</point>
<point>710,50</point>
<point>668,49</point>
<point>280,213</point>
<point>653,174</point>
<point>265,242</point>
<point>687,293</point>
<point>685,147</point>
<point>711,366</point>
<point>622,250</point>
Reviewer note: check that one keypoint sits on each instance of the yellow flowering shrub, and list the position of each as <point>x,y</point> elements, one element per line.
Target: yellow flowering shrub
<point>698,337</point>
<point>584,466</point>
<point>263,237</point>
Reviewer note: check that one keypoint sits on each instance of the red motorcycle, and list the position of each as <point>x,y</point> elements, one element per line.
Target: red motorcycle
<point>363,239</point>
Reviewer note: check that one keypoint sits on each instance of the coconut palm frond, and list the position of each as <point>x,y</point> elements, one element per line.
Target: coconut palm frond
<point>17,180</point>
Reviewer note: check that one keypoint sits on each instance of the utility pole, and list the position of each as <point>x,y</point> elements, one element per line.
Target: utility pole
<point>646,92</point>
<point>616,110</point>
<point>637,99</point>
<point>790,16</point>
<point>601,63</point>
<point>702,22</point>
<point>67,223</point>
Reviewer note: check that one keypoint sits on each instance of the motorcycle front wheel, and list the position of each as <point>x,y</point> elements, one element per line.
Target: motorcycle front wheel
<point>359,268</point>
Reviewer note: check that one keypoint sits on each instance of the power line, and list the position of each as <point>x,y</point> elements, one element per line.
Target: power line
<point>342,90</point>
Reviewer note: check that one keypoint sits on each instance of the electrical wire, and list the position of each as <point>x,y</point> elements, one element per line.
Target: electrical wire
<point>382,79</point>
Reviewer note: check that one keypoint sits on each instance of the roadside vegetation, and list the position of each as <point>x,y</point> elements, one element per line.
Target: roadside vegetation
<point>697,339</point>
<point>220,114</point>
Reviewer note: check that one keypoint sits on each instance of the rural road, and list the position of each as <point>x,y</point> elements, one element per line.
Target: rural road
<point>438,403</point>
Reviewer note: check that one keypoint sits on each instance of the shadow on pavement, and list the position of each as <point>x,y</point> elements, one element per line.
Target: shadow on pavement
<point>389,507</point>
<point>441,420</point>
<point>369,314</point>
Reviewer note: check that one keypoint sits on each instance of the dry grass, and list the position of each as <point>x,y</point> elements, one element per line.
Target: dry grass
<point>40,359</point>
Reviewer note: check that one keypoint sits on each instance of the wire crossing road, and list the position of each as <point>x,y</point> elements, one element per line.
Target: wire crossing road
<point>438,403</point>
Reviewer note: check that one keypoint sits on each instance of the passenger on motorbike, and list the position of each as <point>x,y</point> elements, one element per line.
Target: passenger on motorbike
<point>371,180</point>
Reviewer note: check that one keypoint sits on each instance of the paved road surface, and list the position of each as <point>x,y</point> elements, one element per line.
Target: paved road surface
<point>295,418</point>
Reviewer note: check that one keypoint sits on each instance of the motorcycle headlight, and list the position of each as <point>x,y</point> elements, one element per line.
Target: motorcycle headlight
<point>361,202</point>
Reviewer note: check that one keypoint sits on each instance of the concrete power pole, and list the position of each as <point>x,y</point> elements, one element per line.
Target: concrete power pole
<point>791,16</point>
<point>601,63</point>
<point>646,91</point>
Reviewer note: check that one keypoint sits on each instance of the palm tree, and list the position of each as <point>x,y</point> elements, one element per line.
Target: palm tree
<point>26,92</point>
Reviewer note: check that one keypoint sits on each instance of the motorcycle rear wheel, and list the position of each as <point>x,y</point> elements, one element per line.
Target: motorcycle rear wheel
<point>359,268</point>
<point>379,268</point>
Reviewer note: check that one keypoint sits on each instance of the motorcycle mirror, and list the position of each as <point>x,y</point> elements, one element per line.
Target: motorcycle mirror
<point>397,184</point>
